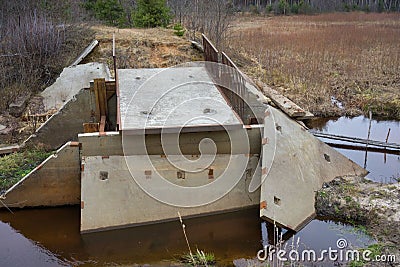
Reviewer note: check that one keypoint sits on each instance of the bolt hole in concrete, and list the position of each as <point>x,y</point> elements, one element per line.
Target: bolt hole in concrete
<point>180,175</point>
<point>56,241</point>
<point>327,157</point>
<point>383,168</point>
<point>209,111</point>
<point>278,128</point>
<point>145,113</point>
<point>103,175</point>
<point>277,201</point>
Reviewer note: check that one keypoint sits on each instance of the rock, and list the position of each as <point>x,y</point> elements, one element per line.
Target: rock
<point>2,127</point>
<point>17,107</point>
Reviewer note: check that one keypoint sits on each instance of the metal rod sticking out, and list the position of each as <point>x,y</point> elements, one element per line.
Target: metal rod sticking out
<point>114,58</point>
<point>387,139</point>
<point>369,134</point>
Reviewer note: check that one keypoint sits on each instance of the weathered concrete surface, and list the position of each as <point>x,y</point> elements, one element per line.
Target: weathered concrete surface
<point>6,149</point>
<point>71,81</point>
<point>67,123</point>
<point>55,182</point>
<point>110,144</point>
<point>180,98</point>
<point>301,164</point>
<point>118,201</point>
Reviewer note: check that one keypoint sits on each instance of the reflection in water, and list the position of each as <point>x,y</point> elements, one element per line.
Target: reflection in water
<point>50,237</point>
<point>317,236</point>
<point>382,168</point>
<point>230,235</point>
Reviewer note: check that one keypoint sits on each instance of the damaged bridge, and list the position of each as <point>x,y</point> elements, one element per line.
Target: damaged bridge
<point>199,138</point>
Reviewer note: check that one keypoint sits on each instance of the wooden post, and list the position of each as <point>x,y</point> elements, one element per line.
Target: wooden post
<point>101,98</point>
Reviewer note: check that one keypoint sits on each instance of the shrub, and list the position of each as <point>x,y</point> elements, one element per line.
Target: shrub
<point>269,8</point>
<point>179,30</point>
<point>109,11</point>
<point>151,13</point>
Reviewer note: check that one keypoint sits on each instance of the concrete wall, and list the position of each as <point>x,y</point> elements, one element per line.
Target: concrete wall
<point>55,182</point>
<point>301,165</point>
<point>117,201</point>
<point>67,123</point>
<point>110,144</point>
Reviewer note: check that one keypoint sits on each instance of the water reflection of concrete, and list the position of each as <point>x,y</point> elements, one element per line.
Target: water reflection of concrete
<point>229,236</point>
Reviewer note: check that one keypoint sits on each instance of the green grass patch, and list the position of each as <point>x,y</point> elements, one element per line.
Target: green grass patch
<point>199,258</point>
<point>15,166</point>
<point>375,249</point>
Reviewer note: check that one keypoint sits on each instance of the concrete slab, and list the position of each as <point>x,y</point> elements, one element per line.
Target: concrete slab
<point>173,98</point>
<point>301,164</point>
<point>6,149</point>
<point>55,182</point>
<point>112,199</point>
<point>71,81</point>
<point>67,122</point>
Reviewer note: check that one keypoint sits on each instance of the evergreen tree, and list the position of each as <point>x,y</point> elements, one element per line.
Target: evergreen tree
<point>151,13</point>
<point>110,11</point>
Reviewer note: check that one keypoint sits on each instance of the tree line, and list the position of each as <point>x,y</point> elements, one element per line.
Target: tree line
<point>315,6</point>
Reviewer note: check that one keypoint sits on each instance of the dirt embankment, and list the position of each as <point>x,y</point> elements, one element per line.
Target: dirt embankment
<point>361,202</point>
<point>142,48</point>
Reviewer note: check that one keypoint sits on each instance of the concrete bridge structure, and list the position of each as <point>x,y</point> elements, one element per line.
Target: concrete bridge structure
<point>198,138</point>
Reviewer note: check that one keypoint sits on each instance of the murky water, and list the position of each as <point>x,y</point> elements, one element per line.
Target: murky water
<point>383,168</point>
<point>50,237</point>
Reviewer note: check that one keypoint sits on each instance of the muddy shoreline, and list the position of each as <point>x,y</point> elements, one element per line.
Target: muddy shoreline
<point>361,202</point>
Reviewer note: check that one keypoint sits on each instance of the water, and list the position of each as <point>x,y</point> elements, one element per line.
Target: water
<point>383,168</point>
<point>50,237</point>
<point>317,236</point>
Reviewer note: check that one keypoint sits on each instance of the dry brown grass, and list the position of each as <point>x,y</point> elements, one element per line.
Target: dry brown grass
<point>143,48</point>
<point>354,57</point>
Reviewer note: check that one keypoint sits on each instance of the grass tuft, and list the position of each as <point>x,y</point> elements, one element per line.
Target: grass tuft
<point>200,258</point>
<point>15,166</point>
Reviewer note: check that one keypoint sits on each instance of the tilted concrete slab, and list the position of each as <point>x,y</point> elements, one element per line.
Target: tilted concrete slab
<point>301,164</point>
<point>55,182</point>
<point>71,81</point>
<point>67,123</point>
<point>117,201</point>
<point>175,98</point>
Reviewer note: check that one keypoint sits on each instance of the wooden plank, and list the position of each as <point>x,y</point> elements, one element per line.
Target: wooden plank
<point>91,127</point>
<point>101,98</point>
<point>110,89</point>
<point>284,103</point>
<point>102,124</point>
<point>85,52</point>
<point>357,140</point>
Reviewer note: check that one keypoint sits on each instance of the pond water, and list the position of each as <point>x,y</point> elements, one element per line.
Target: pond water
<point>383,168</point>
<point>50,237</point>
